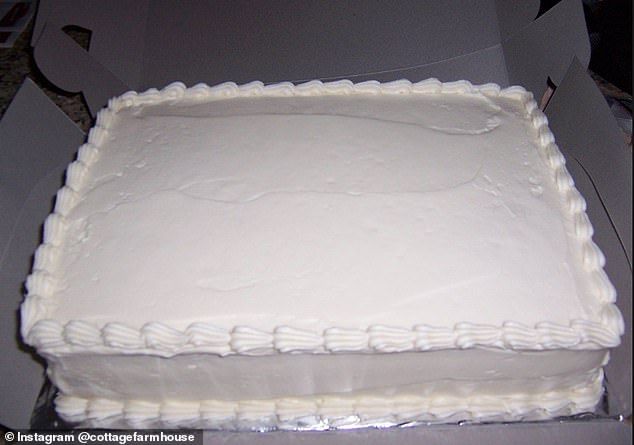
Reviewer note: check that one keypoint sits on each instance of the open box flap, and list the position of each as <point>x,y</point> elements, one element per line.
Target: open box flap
<point>285,40</point>
<point>37,141</point>
<point>585,129</point>
<point>117,41</point>
<point>143,45</point>
<point>601,163</point>
<point>152,44</point>
<point>111,66</point>
<point>545,48</point>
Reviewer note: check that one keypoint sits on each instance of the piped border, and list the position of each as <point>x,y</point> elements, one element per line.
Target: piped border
<point>329,411</point>
<point>50,336</point>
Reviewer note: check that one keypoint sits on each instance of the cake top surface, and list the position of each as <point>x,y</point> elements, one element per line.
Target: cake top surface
<point>349,208</point>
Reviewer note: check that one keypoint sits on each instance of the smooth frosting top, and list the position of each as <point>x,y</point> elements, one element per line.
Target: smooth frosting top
<point>320,210</point>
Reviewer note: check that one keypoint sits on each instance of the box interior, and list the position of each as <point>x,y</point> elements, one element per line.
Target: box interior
<point>488,41</point>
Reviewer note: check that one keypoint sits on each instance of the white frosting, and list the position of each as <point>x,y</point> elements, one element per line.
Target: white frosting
<point>305,211</point>
<point>311,391</point>
<point>318,218</point>
<point>326,413</point>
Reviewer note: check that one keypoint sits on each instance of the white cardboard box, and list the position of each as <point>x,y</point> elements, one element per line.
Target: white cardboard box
<point>143,44</point>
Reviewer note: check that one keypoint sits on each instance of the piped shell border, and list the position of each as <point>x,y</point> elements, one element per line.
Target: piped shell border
<point>50,336</point>
<point>329,411</point>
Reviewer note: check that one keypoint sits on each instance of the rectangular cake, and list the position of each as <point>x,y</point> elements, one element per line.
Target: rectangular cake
<point>324,255</point>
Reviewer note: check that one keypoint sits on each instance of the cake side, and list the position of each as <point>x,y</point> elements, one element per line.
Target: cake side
<point>323,391</point>
<point>328,412</point>
<point>162,338</point>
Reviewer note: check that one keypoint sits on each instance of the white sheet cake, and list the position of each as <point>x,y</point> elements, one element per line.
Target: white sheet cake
<point>320,256</point>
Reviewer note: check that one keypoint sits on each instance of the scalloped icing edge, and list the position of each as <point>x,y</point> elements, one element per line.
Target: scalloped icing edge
<point>51,336</point>
<point>329,412</point>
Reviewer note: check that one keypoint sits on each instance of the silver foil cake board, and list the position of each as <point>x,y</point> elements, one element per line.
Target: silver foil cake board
<point>212,42</point>
<point>552,431</point>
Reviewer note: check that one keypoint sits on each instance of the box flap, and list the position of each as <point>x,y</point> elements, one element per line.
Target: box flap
<point>112,65</point>
<point>546,47</point>
<point>72,69</point>
<point>118,39</point>
<point>514,16</point>
<point>285,40</point>
<point>153,44</point>
<point>601,164</point>
<point>619,369</point>
<point>585,128</point>
<point>37,142</point>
